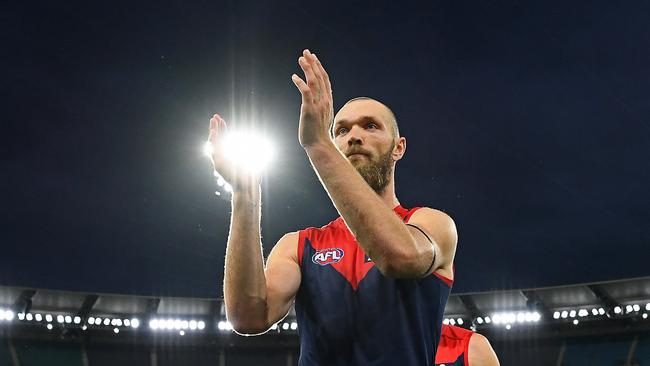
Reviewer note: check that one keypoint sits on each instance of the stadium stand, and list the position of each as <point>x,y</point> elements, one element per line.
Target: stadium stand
<point>586,324</point>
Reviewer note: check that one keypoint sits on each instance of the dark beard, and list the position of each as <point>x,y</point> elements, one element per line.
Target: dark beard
<point>377,173</point>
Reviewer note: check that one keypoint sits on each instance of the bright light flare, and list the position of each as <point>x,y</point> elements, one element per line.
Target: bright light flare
<point>247,149</point>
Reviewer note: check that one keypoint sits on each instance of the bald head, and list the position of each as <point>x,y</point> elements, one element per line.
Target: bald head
<point>366,106</point>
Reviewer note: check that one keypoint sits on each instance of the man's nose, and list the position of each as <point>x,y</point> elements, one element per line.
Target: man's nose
<point>355,136</point>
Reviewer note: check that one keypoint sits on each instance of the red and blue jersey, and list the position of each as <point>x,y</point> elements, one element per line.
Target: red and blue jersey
<point>453,347</point>
<point>350,314</point>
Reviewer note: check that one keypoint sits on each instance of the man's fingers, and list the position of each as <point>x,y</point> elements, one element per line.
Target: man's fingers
<point>303,87</point>
<point>312,80</point>
<point>318,71</point>
<point>218,129</point>
<point>214,129</point>
<point>325,75</point>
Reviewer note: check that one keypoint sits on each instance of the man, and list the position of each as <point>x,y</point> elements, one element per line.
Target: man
<point>369,287</point>
<point>462,347</point>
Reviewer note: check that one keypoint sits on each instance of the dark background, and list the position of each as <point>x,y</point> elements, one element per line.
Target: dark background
<point>528,122</point>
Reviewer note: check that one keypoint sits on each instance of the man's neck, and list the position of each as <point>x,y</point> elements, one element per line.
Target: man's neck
<point>388,195</point>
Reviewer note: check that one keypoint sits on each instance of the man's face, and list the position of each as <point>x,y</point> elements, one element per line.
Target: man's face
<point>364,134</point>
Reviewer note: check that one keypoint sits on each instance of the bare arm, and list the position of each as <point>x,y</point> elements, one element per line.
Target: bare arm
<point>481,352</point>
<point>256,298</point>
<point>398,251</point>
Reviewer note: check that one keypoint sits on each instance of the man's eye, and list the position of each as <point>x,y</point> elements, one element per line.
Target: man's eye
<point>341,130</point>
<point>371,125</point>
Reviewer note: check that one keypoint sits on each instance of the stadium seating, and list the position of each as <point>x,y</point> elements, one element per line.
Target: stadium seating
<point>642,354</point>
<point>5,356</point>
<point>596,352</point>
<point>51,354</point>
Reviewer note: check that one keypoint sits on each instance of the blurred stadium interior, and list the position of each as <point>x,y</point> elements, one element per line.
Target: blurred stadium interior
<point>603,323</point>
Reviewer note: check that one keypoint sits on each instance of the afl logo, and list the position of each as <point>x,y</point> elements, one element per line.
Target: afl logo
<point>327,256</point>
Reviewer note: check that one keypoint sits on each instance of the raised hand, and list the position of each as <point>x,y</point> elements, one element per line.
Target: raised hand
<point>237,176</point>
<point>317,110</point>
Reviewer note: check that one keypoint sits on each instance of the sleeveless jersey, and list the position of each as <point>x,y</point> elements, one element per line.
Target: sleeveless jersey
<point>454,343</point>
<point>350,314</point>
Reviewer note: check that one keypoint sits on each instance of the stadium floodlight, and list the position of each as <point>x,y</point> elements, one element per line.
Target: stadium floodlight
<point>201,325</point>
<point>536,316</point>
<point>116,330</point>
<point>496,318</point>
<point>572,313</point>
<point>594,311</point>
<point>582,313</point>
<point>452,321</point>
<point>617,310</point>
<point>488,320</point>
<point>38,317</point>
<point>294,325</point>
<point>521,317</point>
<point>91,320</point>
<point>9,315</point>
<point>445,321</point>
<point>49,326</point>
<point>647,306</point>
<point>508,326</point>
<point>98,321</point>
<point>459,321</point>
<point>601,311</point>
<point>107,321</point>
<point>645,316</point>
<point>185,324</point>
<point>274,326</point>
<point>193,324</point>
<point>153,324</point>
<point>628,308</point>
<point>68,319</point>
<point>21,316</point>
<point>575,321</point>
<point>118,322</point>
<point>479,320</point>
<point>285,326</point>
<point>556,315</point>
<point>135,323</point>
<point>29,317</point>
<point>48,318</point>
<point>127,323</point>
<point>84,327</point>
<point>636,307</point>
<point>177,324</point>
<point>564,314</point>
<point>77,320</point>
<point>60,318</point>
<point>247,149</point>
<point>182,332</point>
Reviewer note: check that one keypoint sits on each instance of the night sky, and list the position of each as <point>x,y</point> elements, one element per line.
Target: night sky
<point>527,122</point>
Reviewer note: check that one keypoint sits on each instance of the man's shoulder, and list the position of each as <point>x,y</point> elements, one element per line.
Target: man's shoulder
<point>334,225</point>
<point>429,213</point>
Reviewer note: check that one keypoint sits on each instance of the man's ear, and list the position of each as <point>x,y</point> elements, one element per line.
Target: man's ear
<point>399,149</point>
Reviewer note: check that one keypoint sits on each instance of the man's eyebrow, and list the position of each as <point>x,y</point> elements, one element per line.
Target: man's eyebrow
<point>362,118</point>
